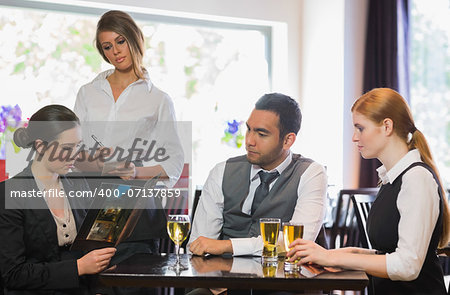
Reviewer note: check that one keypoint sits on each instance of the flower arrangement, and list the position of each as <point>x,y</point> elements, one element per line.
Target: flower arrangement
<point>233,134</point>
<point>10,118</point>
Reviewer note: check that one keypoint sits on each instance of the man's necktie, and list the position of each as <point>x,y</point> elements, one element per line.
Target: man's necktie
<point>263,189</point>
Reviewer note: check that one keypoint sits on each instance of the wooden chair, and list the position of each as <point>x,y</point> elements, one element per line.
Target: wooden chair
<point>344,231</point>
<point>444,258</point>
<point>197,194</point>
<point>362,205</point>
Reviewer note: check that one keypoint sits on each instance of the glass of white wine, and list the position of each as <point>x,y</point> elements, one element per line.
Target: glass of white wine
<point>178,227</point>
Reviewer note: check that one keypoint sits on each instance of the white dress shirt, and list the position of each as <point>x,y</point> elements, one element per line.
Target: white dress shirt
<point>418,205</point>
<point>141,111</point>
<point>309,210</point>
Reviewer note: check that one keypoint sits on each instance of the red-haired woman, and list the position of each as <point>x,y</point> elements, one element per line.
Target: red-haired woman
<point>410,216</point>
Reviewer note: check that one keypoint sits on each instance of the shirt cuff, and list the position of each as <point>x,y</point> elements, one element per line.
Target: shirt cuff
<point>247,246</point>
<point>391,269</point>
<point>173,172</point>
<point>244,265</point>
<point>401,268</point>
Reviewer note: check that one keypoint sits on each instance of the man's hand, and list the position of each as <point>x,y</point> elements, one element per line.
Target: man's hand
<point>202,246</point>
<point>209,264</point>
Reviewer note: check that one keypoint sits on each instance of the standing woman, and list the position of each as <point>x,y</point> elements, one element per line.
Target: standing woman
<point>410,216</point>
<point>121,106</point>
<point>125,94</point>
<point>36,232</point>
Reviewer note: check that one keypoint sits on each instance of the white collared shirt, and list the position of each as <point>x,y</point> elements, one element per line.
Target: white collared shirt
<point>141,111</point>
<point>418,205</point>
<point>255,181</point>
<point>309,210</point>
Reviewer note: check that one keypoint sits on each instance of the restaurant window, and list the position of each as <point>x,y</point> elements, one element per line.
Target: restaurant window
<point>430,77</point>
<point>213,71</point>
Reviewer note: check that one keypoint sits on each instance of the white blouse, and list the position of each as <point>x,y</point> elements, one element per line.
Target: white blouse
<point>418,205</point>
<point>141,111</point>
<point>66,229</point>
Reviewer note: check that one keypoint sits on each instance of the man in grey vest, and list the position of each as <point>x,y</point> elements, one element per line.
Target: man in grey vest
<point>270,181</point>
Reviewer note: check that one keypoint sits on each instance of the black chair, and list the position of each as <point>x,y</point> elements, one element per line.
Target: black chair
<point>322,238</point>
<point>197,194</point>
<point>362,204</point>
<point>344,231</point>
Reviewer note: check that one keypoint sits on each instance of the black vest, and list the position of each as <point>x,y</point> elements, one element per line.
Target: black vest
<point>382,226</point>
<point>279,203</point>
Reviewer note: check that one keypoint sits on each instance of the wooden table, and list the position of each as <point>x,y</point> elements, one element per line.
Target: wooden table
<point>145,270</point>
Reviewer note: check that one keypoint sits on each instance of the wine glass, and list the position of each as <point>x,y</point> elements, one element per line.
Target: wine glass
<point>178,227</point>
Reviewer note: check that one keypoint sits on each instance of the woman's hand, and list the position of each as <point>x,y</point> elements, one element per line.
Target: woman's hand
<point>308,252</point>
<point>101,155</point>
<point>95,261</point>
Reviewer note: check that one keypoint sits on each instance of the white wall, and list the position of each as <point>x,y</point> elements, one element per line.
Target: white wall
<point>323,78</point>
<point>332,69</point>
<point>355,30</point>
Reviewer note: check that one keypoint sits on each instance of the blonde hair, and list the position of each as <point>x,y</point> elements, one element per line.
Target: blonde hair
<point>121,23</point>
<point>381,103</point>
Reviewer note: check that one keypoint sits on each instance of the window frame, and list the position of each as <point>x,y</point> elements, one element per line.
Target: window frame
<point>145,14</point>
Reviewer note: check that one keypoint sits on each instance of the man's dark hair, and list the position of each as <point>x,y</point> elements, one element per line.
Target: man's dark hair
<point>287,109</point>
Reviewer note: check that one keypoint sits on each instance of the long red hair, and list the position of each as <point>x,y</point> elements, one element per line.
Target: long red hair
<point>381,103</point>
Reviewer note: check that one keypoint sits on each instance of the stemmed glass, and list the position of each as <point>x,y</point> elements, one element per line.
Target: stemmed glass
<point>178,227</point>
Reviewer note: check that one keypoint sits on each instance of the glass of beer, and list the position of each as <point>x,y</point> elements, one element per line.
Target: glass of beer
<point>178,227</point>
<point>269,233</point>
<point>269,268</point>
<point>291,232</point>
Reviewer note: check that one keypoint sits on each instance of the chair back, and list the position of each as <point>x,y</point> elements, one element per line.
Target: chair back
<point>345,230</point>
<point>362,204</point>
<point>197,194</point>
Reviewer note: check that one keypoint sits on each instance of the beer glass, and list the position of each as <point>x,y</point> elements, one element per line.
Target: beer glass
<point>269,233</point>
<point>291,232</point>
<point>178,227</point>
<point>269,268</point>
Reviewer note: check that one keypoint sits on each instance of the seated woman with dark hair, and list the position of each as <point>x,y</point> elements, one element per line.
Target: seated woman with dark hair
<point>39,218</point>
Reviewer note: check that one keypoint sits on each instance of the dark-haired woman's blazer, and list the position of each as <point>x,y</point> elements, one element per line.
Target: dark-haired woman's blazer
<point>31,261</point>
